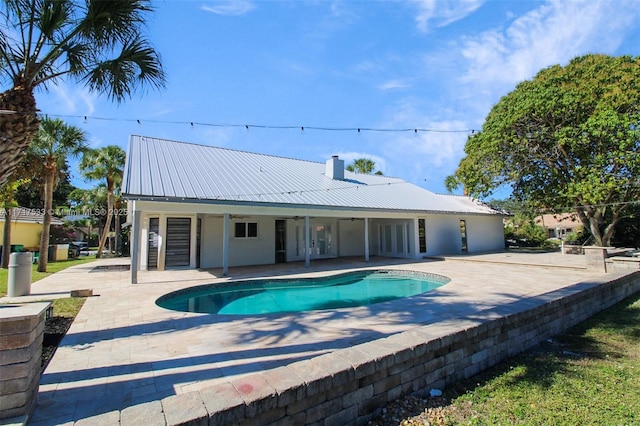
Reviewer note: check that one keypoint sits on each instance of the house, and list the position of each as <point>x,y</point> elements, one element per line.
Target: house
<point>26,227</point>
<point>559,225</point>
<point>196,206</point>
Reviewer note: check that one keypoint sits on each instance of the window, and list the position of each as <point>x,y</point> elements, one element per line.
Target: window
<point>463,235</point>
<point>246,230</point>
<point>422,235</point>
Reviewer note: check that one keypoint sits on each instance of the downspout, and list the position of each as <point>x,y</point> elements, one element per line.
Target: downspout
<point>366,239</point>
<point>225,246</point>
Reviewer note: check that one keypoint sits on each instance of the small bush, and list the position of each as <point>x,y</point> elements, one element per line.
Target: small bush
<point>526,235</point>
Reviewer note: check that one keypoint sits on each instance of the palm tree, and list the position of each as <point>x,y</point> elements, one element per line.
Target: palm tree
<point>47,156</point>
<point>96,42</point>
<point>107,164</point>
<point>363,165</point>
<point>452,183</point>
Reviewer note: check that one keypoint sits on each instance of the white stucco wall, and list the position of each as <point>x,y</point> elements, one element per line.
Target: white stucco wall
<point>484,233</point>
<point>242,251</point>
<point>351,238</point>
<point>211,242</point>
<point>443,235</point>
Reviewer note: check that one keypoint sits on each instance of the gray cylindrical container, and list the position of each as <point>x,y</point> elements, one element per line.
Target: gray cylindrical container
<point>19,274</point>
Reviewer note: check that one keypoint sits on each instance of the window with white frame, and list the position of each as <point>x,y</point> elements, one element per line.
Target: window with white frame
<point>246,230</point>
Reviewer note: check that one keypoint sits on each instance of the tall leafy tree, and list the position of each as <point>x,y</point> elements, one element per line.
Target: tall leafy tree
<point>54,143</point>
<point>363,165</point>
<point>98,43</point>
<point>92,203</point>
<point>105,164</point>
<point>8,203</point>
<point>567,140</point>
<point>29,195</point>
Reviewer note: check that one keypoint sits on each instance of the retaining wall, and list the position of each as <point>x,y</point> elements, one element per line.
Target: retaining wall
<point>350,386</point>
<point>21,334</point>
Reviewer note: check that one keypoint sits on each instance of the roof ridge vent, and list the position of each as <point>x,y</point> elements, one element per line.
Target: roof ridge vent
<point>335,168</point>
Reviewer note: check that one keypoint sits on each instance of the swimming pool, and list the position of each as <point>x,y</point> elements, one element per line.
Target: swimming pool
<point>301,294</point>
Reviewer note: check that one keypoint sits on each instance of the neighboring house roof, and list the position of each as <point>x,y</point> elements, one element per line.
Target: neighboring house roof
<point>161,170</point>
<point>551,220</point>
<point>25,215</point>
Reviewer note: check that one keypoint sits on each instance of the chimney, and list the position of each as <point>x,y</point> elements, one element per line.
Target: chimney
<point>335,168</point>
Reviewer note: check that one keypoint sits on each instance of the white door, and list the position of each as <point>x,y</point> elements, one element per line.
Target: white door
<point>394,240</point>
<point>321,240</point>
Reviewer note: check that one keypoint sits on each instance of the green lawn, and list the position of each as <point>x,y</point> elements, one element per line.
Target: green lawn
<point>589,375</point>
<point>67,307</point>
<point>52,267</point>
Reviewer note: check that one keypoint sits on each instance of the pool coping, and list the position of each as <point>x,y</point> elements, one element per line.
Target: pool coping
<point>267,283</point>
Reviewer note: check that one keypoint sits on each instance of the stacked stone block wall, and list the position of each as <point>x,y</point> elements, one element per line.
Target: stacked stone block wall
<point>623,263</point>
<point>350,386</point>
<point>21,334</point>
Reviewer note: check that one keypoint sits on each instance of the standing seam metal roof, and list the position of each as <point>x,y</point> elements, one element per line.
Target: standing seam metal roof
<point>160,168</point>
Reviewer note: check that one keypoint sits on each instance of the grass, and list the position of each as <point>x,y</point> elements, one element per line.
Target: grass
<point>52,267</point>
<point>589,375</point>
<point>67,307</point>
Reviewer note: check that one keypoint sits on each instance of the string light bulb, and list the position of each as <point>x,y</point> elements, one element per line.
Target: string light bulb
<point>277,127</point>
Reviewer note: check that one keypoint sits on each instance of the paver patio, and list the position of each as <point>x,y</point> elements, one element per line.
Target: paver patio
<point>123,350</point>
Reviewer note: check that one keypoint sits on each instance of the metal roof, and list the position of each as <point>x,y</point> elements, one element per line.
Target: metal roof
<point>161,169</point>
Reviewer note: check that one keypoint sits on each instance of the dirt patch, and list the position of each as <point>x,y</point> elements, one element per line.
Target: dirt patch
<point>54,330</point>
<point>109,268</point>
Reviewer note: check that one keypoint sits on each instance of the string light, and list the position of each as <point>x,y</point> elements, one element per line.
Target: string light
<point>192,124</point>
<point>301,191</point>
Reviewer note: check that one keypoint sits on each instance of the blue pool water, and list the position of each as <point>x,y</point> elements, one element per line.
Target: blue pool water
<point>296,295</point>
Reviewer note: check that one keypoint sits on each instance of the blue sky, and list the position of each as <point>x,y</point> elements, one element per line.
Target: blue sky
<point>429,64</point>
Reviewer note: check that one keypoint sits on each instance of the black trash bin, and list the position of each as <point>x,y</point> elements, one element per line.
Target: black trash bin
<point>51,253</point>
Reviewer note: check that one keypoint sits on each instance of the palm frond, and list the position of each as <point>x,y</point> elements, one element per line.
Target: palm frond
<point>113,22</point>
<point>137,65</point>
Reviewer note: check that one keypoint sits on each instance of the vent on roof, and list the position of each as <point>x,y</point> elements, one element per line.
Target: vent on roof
<point>335,168</point>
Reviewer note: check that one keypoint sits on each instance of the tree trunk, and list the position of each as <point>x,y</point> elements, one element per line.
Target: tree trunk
<point>594,229</point>
<point>107,225</point>
<point>46,223</point>
<point>591,222</point>
<point>16,129</point>
<point>6,237</point>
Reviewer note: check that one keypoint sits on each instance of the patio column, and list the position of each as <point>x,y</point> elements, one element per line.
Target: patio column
<point>366,239</point>
<point>136,246</point>
<point>416,238</point>
<point>307,236</point>
<point>225,246</point>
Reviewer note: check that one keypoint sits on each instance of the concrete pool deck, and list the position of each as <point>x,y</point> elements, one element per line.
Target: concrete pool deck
<point>123,350</point>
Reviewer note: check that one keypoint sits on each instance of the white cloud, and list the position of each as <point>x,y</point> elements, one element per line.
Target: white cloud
<point>550,34</point>
<point>393,84</point>
<point>70,99</point>
<point>229,7</point>
<point>434,151</point>
<point>440,13</point>
<point>491,63</point>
